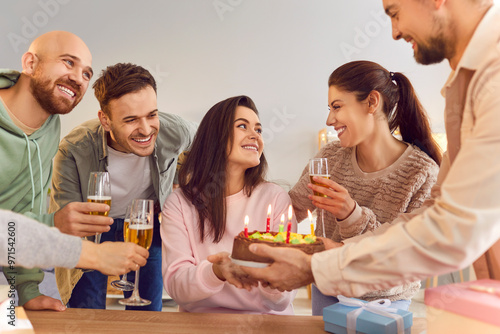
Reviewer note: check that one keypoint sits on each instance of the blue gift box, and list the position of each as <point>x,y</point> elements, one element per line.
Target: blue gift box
<point>335,317</point>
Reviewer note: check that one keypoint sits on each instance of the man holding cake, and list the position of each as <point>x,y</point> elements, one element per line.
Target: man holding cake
<point>461,222</point>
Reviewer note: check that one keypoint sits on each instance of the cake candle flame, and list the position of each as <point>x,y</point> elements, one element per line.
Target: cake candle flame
<point>290,213</point>
<point>246,226</point>
<point>282,222</point>
<point>268,224</point>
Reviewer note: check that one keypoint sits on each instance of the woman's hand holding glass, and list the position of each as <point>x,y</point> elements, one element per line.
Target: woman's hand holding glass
<point>333,198</point>
<point>112,258</point>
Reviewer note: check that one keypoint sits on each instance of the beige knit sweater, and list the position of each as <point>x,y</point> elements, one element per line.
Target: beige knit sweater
<point>380,196</point>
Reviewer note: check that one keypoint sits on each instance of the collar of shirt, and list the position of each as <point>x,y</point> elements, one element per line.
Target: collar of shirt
<point>478,50</point>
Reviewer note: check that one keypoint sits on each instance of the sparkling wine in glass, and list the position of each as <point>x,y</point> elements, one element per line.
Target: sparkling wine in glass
<point>123,284</point>
<point>99,191</point>
<point>319,167</point>
<point>140,232</point>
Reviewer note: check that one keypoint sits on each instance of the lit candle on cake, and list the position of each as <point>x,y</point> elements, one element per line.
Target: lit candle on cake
<point>289,227</point>
<point>282,220</point>
<point>311,220</point>
<point>268,225</point>
<point>246,226</point>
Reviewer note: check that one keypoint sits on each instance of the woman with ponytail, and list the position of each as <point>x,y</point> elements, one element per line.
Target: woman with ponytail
<point>373,175</point>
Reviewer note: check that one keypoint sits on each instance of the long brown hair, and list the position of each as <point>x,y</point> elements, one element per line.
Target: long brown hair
<point>202,176</point>
<point>400,103</point>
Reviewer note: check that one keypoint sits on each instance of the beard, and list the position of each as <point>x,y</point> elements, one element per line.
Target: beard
<point>43,92</point>
<point>434,52</point>
<point>437,48</point>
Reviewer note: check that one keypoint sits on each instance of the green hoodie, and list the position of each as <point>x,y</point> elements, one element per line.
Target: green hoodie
<point>25,174</point>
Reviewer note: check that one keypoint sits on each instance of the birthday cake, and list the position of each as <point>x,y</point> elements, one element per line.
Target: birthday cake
<point>307,243</point>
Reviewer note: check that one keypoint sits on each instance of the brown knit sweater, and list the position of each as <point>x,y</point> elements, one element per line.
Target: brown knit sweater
<point>380,196</point>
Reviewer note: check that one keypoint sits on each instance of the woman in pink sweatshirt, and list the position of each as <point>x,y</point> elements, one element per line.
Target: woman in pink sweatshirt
<point>221,182</point>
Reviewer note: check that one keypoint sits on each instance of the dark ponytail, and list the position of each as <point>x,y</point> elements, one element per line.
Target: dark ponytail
<point>400,103</point>
<point>412,119</point>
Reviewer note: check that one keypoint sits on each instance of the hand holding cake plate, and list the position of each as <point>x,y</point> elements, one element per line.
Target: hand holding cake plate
<point>290,270</point>
<point>224,268</point>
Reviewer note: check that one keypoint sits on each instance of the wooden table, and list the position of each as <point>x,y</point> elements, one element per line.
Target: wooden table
<point>76,321</point>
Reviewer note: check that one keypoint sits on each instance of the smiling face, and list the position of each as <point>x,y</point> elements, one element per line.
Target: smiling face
<point>61,72</point>
<point>133,122</point>
<point>351,118</point>
<point>419,23</point>
<point>247,144</point>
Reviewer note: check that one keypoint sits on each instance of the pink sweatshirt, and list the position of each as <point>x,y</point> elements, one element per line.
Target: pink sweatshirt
<point>188,276</point>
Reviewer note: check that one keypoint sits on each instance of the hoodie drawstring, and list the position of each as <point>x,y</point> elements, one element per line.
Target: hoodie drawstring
<point>31,174</point>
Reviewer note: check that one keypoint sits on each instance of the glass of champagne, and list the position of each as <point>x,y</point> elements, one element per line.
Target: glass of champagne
<point>140,232</point>
<point>99,191</point>
<point>319,167</point>
<point>123,284</point>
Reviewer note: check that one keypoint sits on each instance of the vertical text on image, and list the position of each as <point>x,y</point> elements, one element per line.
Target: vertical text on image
<point>11,273</point>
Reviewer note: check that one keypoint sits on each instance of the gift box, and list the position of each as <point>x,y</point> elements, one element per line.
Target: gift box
<point>470,307</point>
<point>351,315</point>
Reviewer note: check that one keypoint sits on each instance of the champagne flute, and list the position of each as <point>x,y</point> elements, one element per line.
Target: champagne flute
<point>123,284</point>
<point>99,191</point>
<point>140,232</point>
<point>319,167</point>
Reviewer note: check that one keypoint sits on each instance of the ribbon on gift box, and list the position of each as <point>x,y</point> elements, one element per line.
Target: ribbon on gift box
<point>379,306</point>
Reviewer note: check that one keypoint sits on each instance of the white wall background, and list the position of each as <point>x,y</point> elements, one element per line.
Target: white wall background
<point>279,52</point>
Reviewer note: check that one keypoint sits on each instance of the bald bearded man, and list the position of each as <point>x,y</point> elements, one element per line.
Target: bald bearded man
<point>57,70</point>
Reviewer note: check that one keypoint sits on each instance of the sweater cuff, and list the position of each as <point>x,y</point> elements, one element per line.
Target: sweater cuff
<point>210,280</point>
<point>327,272</point>
<point>355,216</point>
<point>27,291</point>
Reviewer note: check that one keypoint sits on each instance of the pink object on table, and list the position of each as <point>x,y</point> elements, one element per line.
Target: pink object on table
<point>479,300</point>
